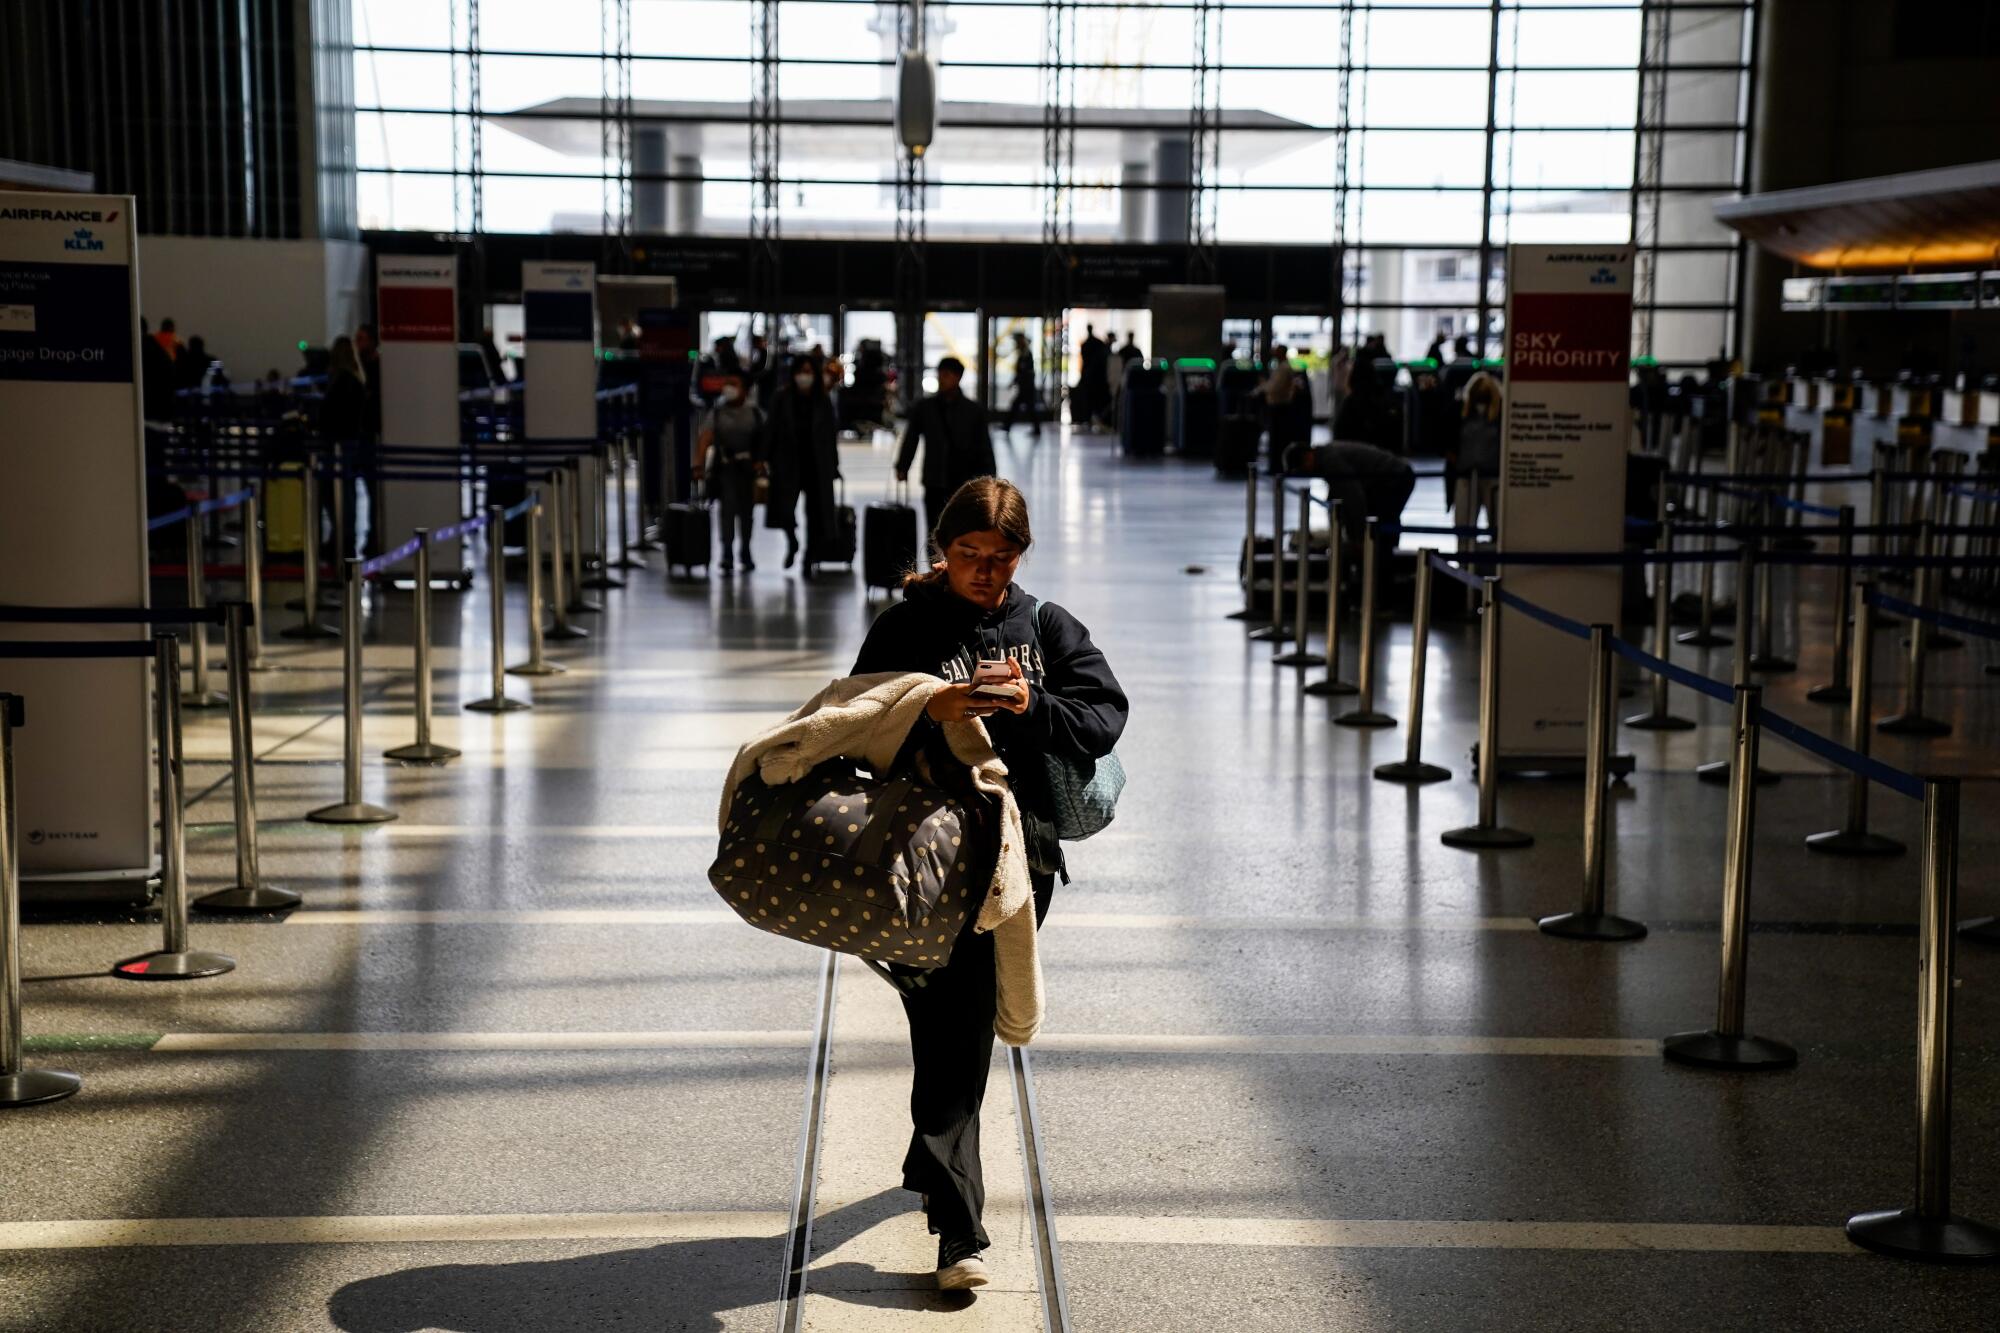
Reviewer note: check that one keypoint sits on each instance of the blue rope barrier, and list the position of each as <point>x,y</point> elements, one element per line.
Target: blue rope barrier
<point>1895,779</point>
<point>80,648</point>
<point>388,558</point>
<point>1974,493</point>
<point>168,520</point>
<point>1982,628</point>
<point>222,502</point>
<point>1605,558</point>
<point>1818,478</point>
<point>1555,621</point>
<point>1453,572</point>
<point>521,510</point>
<point>465,527</point>
<point>1680,675</point>
<point>112,615</point>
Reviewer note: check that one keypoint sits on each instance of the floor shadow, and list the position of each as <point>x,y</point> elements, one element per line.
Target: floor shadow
<point>680,1285</point>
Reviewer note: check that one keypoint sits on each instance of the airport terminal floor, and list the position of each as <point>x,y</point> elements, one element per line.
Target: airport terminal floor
<point>513,1067</point>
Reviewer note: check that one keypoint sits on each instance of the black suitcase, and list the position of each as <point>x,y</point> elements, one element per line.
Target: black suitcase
<point>1142,413</point>
<point>689,534</point>
<point>1237,448</point>
<point>890,542</point>
<point>837,547</point>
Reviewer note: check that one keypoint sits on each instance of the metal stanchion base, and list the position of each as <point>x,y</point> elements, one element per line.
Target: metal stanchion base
<point>247,898</point>
<point>1334,688</point>
<point>1298,658</point>
<point>627,562</point>
<point>1694,638</point>
<point>1712,1050</point>
<point>1770,664</point>
<point>1901,1233</point>
<point>1659,722</point>
<point>1247,616</point>
<point>1913,724</point>
<point>1272,634</point>
<point>205,700</point>
<point>565,633</point>
<point>427,753</point>
<point>358,813</point>
<point>601,581</point>
<point>581,607</point>
<point>498,704</point>
<point>310,629</point>
<point>32,1086</point>
<point>1592,926</point>
<point>189,965</point>
<point>1367,719</point>
<point>1844,842</point>
<point>536,669</point>
<point>1411,774</point>
<point>1476,837</point>
<point>1985,929</point>
<point>1717,774</point>
<point>1830,694</point>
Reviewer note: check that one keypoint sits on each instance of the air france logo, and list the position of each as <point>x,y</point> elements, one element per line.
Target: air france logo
<point>1603,277</point>
<point>82,240</point>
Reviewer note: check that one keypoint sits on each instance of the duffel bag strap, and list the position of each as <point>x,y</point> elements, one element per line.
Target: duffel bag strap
<point>882,820</point>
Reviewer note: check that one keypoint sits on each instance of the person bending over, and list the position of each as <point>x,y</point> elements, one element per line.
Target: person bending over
<point>1367,481</point>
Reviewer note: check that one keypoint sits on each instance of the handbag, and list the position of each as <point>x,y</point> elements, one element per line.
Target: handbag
<point>760,491</point>
<point>1084,791</point>
<point>887,869</point>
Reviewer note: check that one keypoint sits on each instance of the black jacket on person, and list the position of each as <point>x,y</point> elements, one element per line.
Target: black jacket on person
<point>1076,707</point>
<point>1367,481</point>
<point>343,413</point>
<point>790,472</point>
<point>957,448</point>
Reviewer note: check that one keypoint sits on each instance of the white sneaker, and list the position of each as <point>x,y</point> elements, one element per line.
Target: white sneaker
<point>964,1275</point>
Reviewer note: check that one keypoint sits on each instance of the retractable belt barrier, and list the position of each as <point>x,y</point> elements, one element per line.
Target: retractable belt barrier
<point>200,509</point>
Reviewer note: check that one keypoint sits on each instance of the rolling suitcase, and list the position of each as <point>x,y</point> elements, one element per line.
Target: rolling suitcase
<point>1237,448</point>
<point>689,534</point>
<point>836,547</point>
<point>890,539</point>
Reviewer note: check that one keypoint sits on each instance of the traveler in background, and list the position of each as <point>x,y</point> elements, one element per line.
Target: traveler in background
<point>343,431</point>
<point>368,351</point>
<point>1367,414</point>
<point>1067,704</point>
<point>156,377</point>
<point>1367,481</point>
<point>1435,352</point>
<point>1280,387</point>
<point>169,342</point>
<point>802,451</point>
<point>1459,371</point>
<point>951,428</point>
<point>196,369</point>
<point>1129,352</point>
<point>1092,392</point>
<point>1473,467</point>
<point>730,454</point>
<point>1027,394</point>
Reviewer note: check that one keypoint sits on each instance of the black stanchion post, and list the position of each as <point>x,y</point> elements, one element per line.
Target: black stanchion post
<point>423,750</point>
<point>1248,615</point>
<point>570,495</point>
<point>1727,1045</point>
<point>1719,772</point>
<point>1929,1230</point>
<point>1836,691</point>
<point>1590,921</point>
<point>198,694</point>
<point>250,893</point>
<point>1488,832</point>
<point>537,664</point>
<point>18,1086</point>
<point>1766,659</point>
<point>563,630</point>
<point>1277,631</point>
<point>496,579</point>
<point>351,809</point>
<point>1852,838</point>
<point>1705,635</point>
<point>253,573</point>
<point>1411,768</point>
<point>1658,717</point>
<point>1331,685</point>
<point>1364,713</point>
<point>309,626</point>
<point>622,461</point>
<point>1913,721</point>
<point>173,960</point>
<point>599,556</point>
<point>1301,655</point>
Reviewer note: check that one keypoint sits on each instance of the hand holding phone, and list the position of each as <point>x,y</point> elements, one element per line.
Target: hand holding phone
<point>993,678</point>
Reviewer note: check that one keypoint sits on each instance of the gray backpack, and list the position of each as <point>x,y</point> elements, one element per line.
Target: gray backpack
<point>1085,791</point>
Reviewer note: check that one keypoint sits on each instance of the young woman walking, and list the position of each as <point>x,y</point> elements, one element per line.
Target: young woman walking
<point>1061,700</point>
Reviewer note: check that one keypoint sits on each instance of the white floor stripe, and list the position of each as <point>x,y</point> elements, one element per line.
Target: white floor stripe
<point>1318,1234</point>
<point>477,1041</point>
<point>352,1230</point>
<point>1184,1044</point>
<point>1138,921</point>
<point>686,916</point>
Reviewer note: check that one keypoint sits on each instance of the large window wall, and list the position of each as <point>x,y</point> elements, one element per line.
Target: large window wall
<point>1422,136</point>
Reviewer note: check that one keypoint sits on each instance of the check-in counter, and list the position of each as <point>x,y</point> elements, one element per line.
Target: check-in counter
<point>1834,391</point>
<point>1914,398</point>
<point>1836,437</point>
<point>1878,399</point>
<point>1803,392</point>
<point>1976,406</point>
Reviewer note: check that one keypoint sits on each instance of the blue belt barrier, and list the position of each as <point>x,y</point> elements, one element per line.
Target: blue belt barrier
<point>1983,629</point>
<point>387,558</point>
<point>1680,675</point>
<point>1605,558</point>
<point>520,510</point>
<point>1550,618</point>
<point>1439,529</point>
<point>112,615</point>
<point>1820,478</point>
<point>1973,493</point>
<point>1895,779</point>
<point>63,648</point>
<point>168,520</point>
<point>1451,571</point>
<point>465,527</point>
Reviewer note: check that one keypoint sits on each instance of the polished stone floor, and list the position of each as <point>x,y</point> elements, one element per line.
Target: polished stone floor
<point>513,1068</point>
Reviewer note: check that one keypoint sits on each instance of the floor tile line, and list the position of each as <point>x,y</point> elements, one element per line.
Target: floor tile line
<point>388,1228</point>
<point>1358,1234</point>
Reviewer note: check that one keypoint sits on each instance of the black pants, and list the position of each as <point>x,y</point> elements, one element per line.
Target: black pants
<point>951,1046</point>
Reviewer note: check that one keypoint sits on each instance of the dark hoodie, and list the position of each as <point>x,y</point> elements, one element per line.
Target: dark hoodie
<point>1075,705</point>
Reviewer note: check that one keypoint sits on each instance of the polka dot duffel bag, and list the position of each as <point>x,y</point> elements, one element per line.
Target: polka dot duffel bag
<point>887,869</point>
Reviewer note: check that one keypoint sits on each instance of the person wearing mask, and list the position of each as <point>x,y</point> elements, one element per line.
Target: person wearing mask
<point>343,430</point>
<point>951,429</point>
<point>1027,394</point>
<point>730,455</point>
<point>1367,481</point>
<point>802,450</point>
<point>1475,462</point>
<point>1063,702</point>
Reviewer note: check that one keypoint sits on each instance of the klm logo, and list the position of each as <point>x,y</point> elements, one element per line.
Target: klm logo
<point>82,240</point>
<point>1604,277</point>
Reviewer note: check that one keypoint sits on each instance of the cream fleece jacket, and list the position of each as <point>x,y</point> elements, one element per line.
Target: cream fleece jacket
<point>867,719</point>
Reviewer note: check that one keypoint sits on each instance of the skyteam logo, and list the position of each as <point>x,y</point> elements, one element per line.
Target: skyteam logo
<point>1604,277</point>
<point>82,239</point>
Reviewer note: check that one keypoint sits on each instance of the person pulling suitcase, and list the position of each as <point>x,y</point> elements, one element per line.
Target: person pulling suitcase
<point>730,458</point>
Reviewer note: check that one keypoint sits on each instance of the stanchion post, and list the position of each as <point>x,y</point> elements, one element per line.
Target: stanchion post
<point>1721,772</point>
<point>559,602</point>
<point>1852,838</point>
<point>496,579</point>
<point>1727,1045</point>
<point>571,491</point>
<point>1277,631</point>
<point>18,1086</point>
<point>1766,659</point>
<point>619,446</point>
<point>1705,635</point>
<point>253,574</point>
<point>1913,721</point>
<point>1488,832</point>
<point>599,557</point>
<point>1929,1230</point>
<point>1331,685</point>
<point>173,960</point>
<point>1836,691</point>
<point>423,750</point>
<point>1659,717</point>
<point>1248,615</point>
<point>198,694</point>
<point>1364,714</point>
<point>537,664</point>
<point>250,893</point>
<point>1411,768</point>
<point>1301,655</point>
<point>351,809</point>
<point>1590,921</point>
<point>309,626</point>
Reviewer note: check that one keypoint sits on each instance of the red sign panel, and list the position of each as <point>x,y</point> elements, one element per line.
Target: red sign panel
<point>1569,337</point>
<point>416,314</point>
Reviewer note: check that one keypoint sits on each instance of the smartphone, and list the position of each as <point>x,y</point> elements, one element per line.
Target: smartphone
<point>992,679</point>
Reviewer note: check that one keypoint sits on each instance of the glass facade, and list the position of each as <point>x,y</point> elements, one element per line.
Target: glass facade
<point>1423,136</point>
